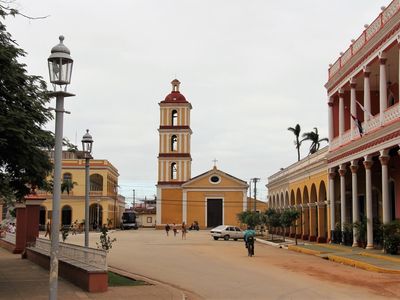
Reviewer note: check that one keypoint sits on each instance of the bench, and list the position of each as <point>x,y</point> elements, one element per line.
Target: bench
<point>85,267</point>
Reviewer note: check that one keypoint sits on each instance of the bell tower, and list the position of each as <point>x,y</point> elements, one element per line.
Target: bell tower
<point>174,159</point>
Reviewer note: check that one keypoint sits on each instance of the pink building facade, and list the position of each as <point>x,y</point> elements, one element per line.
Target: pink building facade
<point>364,126</point>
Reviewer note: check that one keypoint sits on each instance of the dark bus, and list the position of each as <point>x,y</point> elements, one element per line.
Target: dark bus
<point>128,220</point>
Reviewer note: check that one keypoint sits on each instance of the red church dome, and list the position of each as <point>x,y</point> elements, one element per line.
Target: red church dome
<point>175,96</point>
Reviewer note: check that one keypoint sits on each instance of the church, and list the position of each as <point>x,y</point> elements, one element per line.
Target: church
<point>212,198</point>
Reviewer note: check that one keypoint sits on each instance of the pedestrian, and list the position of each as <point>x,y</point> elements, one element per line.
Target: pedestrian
<point>249,236</point>
<point>174,229</point>
<point>167,229</point>
<point>184,231</point>
<point>48,230</point>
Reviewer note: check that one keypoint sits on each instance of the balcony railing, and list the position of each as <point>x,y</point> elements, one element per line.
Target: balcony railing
<point>391,114</point>
<point>367,35</point>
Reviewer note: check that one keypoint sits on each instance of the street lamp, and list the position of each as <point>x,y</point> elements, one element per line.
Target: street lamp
<point>60,70</point>
<point>87,143</point>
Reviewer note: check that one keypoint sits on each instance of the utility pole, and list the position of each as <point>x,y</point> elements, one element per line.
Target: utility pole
<point>255,180</point>
<point>134,200</point>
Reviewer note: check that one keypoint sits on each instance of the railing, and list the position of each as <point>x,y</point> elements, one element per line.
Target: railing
<point>9,237</point>
<point>368,33</point>
<point>392,113</point>
<point>89,256</point>
<point>96,193</point>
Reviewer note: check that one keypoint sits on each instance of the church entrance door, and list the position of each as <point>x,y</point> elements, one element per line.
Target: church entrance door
<point>214,212</point>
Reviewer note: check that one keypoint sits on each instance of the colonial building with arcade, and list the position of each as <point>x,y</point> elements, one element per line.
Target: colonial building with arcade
<point>362,162</point>
<point>364,127</point>
<point>212,198</point>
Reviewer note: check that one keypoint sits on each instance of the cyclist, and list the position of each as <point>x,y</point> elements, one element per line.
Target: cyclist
<point>249,237</point>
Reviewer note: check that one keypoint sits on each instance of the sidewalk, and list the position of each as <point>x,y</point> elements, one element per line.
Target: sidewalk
<point>371,260</point>
<point>22,279</point>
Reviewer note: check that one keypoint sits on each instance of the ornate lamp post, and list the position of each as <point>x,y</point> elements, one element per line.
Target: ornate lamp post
<point>87,143</point>
<point>60,70</point>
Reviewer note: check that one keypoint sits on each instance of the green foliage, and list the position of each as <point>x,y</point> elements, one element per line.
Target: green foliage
<point>296,131</point>
<point>272,220</point>
<point>361,230</point>
<point>250,218</point>
<point>105,240</point>
<point>347,234</point>
<point>313,136</point>
<point>24,162</point>
<point>64,232</point>
<point>391,237</point>
<point>288,219</point>
<point>67,185</point>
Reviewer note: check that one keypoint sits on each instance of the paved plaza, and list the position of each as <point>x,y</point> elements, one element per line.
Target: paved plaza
<point>208,269</point>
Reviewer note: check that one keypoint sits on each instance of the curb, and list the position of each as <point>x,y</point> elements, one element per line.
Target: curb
<point>281,246</point>
<point>151,281</point>
<point>305,250</point>
<point>360,264</point>
<point>378,256</point>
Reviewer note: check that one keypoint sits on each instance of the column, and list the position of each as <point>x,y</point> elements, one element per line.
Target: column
<point>306,221</point>
<point>384,159</point>
<point>368,195</point>
<point>332,174</point>
<point>343,217</point>
<point>354,196</point>
<point>367,97</point>
<point>184,207</point>
<point>341,115</point>
<point>299,221</point>
<point>313,221</point>
<point>158,206</point>
<point>353,107</point>
<point>382,87</point>
<point>322,226</point>
<point>330,120</point>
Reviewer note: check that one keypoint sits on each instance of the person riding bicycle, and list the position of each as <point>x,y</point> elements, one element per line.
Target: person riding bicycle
<point>249,237</point>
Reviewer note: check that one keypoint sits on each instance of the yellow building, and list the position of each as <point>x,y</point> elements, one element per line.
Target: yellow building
<point>303,187</point>
<point>212,198</point>
<point>106,206</point>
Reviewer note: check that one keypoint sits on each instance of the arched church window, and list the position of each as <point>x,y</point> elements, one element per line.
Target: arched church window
<point>174,171</point>
<point>174,120</point>
<point>174,143</point>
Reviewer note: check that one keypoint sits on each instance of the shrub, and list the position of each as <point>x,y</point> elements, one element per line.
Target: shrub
<point>391,237</point>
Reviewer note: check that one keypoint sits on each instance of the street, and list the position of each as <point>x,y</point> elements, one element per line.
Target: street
<point>208,269</point>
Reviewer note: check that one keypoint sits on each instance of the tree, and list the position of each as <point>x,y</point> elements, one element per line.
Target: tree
<point>288,219</point>
<point>24,163</point>
<point>296,131</point>
<point>313,136</point>
<point>250,218</point>
<point>273,220</point>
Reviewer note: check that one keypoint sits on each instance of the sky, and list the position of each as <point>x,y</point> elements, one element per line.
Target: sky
<point>250,69</point>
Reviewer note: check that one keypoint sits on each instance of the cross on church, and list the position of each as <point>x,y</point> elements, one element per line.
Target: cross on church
<point>215,162</point>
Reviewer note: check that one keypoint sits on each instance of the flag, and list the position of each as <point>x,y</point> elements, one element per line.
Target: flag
<point>363,109</point>
<point>358,124</point>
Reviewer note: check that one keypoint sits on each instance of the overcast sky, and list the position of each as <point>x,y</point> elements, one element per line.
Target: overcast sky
<point>250,69</point>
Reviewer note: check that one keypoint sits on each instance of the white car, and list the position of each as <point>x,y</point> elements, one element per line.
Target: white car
<point>227,232</point>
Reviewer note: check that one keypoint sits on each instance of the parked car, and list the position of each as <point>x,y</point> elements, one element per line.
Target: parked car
<point>227,232</point>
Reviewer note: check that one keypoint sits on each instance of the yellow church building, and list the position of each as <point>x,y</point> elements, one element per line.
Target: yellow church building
<point>212,198</point>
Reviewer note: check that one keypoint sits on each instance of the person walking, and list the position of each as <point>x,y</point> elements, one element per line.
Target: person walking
<point>167,229</point>
<point>249,237</point>
<point>174,229</point>
<point>184,229</point>
<point>48,230</point>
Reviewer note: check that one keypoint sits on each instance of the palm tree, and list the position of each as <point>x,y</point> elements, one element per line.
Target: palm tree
<point>296,131</point>
<point>67,185</point>
<point>313,136</point>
